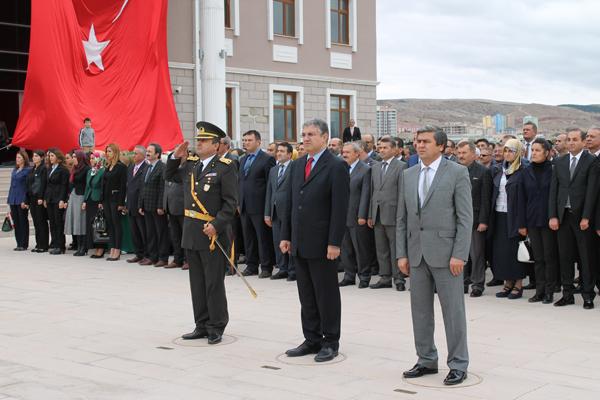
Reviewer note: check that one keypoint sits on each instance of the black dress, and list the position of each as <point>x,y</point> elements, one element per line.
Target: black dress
<point>113,196</point>
<point>36,188</point>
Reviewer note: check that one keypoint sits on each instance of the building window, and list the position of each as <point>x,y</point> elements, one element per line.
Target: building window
<point>340,114</point>
<point>340,21</point>
<point>227,13</point>
<point>229,110</point>
<point>284,17</point>
<point>284,116</point>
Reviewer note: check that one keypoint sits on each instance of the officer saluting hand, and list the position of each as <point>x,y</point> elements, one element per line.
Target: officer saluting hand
<point>210,201</point>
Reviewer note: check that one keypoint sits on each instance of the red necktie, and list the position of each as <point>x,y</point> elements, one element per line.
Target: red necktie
<point>307,168</point>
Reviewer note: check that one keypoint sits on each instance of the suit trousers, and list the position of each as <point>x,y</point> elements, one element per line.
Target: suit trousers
<point>385,242</point>
<point>56,217</point>
<point>282,260</point>
<point>424,279</point>
<point>39,215</point>
<point>138,235</point>
<point>320,301</point>
<point>258,242</point>
<point>354,256</point>
<point>21,220</point>
<point>545,254</point>
<point>157,236</point>
<point>573,242</point>
<point>207,284</point>
<point>176,230</point>
<point>113,223</point>
<point>475,268</point>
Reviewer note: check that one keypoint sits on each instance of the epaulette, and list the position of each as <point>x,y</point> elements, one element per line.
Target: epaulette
<point>193,158</point>
<point>225,160</point>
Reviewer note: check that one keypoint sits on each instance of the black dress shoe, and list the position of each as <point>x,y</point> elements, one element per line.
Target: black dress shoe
<point>494,282</point>
<point>347,282</point>
<point>565,301</point>
<point>19,248</point>
<point>548,299</point>
<point>215,338</point>
<point>55,251</point>
<point>476,293</point>
<point>400,287</point>
<point>536,298</point>
<point>304,349</point>
<point>417,371</point>
<point>249,272</point>
<point>135,259</point>
<point>291,278</point>
<point>588,304</point>
<point>279,275</point>
<point>466,289</point>
<point>381,284</point>
<point>363,284</point>
<point>197,334</point>
<point>326,354</point>
<point>455,377</point>
<point>264,274</point>
<point>97,255</point>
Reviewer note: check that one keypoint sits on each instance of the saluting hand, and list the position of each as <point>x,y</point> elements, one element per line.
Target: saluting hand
<point>181,151</point>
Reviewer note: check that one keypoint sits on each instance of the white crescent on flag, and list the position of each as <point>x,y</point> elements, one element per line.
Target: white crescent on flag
<point>120,11</point>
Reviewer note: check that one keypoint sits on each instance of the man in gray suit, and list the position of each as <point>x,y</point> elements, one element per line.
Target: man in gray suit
<point>385,183</point>
<point>276,200</point>
<point>435,218</point>
<point>354,254</point>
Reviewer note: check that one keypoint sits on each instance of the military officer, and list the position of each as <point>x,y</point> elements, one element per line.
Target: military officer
<point>210,201</point>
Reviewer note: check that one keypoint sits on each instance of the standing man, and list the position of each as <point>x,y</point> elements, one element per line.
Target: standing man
<point>151,207</point>
<point>271,149</point>
<point>592,141</point>
<point>529,135</point>
<point>571,206</point>
<point>173,206</point>
<point>369,141</point>
<point>210,200</point>
<point>481,195</point>
<point>277,199</point>
<point>386,177</point>
<point>225,151</point>
<point>355,256</point>
<point>313,229</point>
<point>351,133</point>
<point>485,157</point>
<point>335,146</point>
<point>435,219</point>
<point>87,136</point>
<point>450,150</point>
<point>253,177</point>
<point>136,172</point>
<point>560,145</point>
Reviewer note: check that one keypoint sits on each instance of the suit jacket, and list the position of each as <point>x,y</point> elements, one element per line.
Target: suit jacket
<point>173,198</point>
<point>374,156</point>
<point>515,214</point>
<point>93,186</point>
<point>350,137</point>
<point>413,160</point>
<point>17,193</point>
<point>115,184</point>
<point>360,194</point>
<point>384,192</point>
<point>36,184</point>
<point>57,186</point>
<point>234,158</point>
<point>317,209</point>
<point>581,190</point>
<point>442,228</point>
<point>253,188</point>
<point>134,187</point>
<point>277,197</point>
<point>481,193</point>
<point>153,189</point>
<point>535,194</point>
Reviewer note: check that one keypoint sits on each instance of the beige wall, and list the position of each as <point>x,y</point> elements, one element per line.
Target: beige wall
<point>180,31</point>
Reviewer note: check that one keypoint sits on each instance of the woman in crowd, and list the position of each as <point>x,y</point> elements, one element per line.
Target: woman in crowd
<point>113,195</point>
<point>36,187</point>
<point>75,218</point>
<point>507,220</point>
<point>92,199</point>
<point>535,191</point>
<point>17,199</point>
<point>55,199</point>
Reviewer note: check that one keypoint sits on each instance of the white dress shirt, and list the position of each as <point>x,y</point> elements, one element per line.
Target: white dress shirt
<point>433,167</point>
<point>206,161</point>
<point>502,200</point>
<point>352,166</point>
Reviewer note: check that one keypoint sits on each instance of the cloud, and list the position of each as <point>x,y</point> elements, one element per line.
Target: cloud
<point>542,51</point>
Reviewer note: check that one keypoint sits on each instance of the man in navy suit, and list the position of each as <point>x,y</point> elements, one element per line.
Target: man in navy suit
<point>253,176</point>
<point>312,230</point>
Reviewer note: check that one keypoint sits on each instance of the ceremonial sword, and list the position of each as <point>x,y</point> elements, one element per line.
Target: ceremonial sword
<point>237,271</point>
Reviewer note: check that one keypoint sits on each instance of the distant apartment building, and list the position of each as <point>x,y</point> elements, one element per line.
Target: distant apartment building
<point>488,123</point>
<point>499,121</point>
<point>387,122</point>
<point>459,131</point>
<point>285,61</point>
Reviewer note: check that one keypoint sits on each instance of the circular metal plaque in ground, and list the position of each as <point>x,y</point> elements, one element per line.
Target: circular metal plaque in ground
<point>227,339</point>
<point>308,360</point>
<point>437,380</point>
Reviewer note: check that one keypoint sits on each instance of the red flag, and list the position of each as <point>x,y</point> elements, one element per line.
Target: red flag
<point>103,59</point>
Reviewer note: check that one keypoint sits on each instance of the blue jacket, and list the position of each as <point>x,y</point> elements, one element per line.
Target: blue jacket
<point>413,160</point>
<point>535,195</point>
<point>17,193</point>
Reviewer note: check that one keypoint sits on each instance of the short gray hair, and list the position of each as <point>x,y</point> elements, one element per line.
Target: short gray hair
<point>139,148</point>
<point>226,140</point>
<point>319,124</point>
<point>471,145</point>
<point>356,146</point>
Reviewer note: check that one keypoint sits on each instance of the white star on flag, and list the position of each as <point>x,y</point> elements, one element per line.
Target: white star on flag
<point>93,49</point>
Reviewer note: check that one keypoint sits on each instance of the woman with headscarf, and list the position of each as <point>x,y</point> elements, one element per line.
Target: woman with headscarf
<point>92,199</point>
<point>509,216</point>
<point>75,218</point>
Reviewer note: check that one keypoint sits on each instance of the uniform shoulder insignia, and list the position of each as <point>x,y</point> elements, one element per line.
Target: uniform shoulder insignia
<point>193,158</point>
<point>225,160</point>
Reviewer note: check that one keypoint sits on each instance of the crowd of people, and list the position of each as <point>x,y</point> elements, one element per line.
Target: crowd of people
<point>531,193</point>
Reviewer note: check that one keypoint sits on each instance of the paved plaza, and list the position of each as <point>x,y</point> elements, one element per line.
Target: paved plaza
<point>73,328</point>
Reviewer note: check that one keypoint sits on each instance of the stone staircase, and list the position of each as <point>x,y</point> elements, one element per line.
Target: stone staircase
<point>4,186</point>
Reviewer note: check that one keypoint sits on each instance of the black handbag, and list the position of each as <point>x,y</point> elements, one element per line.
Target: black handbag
<point>99,231</point>
<point>7,225</point>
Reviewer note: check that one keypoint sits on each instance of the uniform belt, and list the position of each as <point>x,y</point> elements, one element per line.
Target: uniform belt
<point>197,215</point>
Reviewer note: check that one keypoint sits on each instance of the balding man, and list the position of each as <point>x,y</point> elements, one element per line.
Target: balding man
<point>369,141</point>
<point>335,146</point>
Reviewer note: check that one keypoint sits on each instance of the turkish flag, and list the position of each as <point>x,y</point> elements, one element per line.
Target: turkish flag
<point>102,59</point>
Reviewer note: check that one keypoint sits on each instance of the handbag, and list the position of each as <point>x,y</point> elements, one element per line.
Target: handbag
<point>8,224</point>
<point>525,254</point>
<point>99,231</point>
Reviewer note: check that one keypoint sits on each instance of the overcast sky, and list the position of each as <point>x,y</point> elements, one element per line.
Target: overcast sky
<point>532,51</point>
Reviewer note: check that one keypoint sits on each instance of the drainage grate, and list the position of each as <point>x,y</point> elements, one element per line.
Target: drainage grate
<point>270,367</point>
<point>404,391</point>
<point>164,348</point>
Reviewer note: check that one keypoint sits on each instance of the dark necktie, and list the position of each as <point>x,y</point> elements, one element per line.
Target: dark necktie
<point>248,164</point>
<point>308,168</point>
<point>384,168</point>
<point>280,174</point>
<point>148,173</point>
<point>199,167</point>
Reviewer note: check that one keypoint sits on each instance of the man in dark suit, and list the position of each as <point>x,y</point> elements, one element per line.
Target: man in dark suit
<point>224,151</point>
<point>173,206</point>
<point>354,254</point>
<point>253,177</point>
<point>151,207</point>
<point>351,133</point>
<point>571,207</point>
<point>136,172</point>
<point>275,202</point>
<point>369,238</point>
<point>369,142</point>
<point>313,229</point>
<point>481,195</point>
